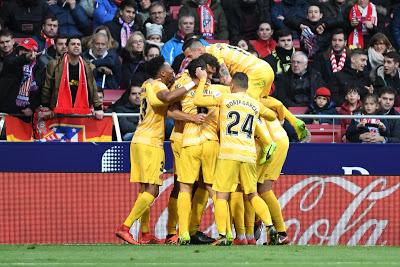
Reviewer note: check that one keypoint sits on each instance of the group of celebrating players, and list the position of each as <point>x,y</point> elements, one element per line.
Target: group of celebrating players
<point>228,144</point>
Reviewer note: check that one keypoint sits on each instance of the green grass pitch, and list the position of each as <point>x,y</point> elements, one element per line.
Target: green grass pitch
<point>159,255</point>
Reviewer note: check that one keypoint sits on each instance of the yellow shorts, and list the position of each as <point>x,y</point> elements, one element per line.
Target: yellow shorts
<point>176,146</point>
<point>260,82</point>
<point>272,170</point>
<point>147,164</point>
<point>230,173</point>
<point>193,158</point>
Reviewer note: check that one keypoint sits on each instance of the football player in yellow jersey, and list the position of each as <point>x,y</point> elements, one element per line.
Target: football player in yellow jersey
<point>180,118</point>
<point>237,155</point>
<point>261,76</point>
<point>147,154</point>
<point>199,151</point>
<point>269,173</point>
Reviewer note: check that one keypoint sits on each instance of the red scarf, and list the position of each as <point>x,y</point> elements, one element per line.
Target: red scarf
<point>207,21</point>
<point>342,60</point>
<point>356,36</point>
<point>64,99</point>
<point>48,41</point>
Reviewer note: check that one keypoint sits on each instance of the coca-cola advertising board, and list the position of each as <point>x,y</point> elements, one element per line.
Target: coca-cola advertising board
<point>88,207</point>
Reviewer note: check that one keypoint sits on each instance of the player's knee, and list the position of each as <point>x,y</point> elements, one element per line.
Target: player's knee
<point>185,188</point>
<point>264,187</point>
<point>152,189</point>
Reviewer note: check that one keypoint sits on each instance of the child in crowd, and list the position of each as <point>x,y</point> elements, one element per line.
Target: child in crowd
<point>154,34</point>
<point>322,105</point>
<point>351,105</point>
<point>363,130</point>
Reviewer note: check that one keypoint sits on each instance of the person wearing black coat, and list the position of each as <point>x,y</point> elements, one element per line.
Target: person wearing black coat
<point>125,16</point>
<point>158,15</point>
<point>130,103</point>
<point>297,87</point>
<point>10,80</point>
<point>24,17</point>
<point>352,76</point>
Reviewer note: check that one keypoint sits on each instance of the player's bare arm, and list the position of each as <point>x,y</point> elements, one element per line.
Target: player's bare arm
<point>225,77</point>
<point>176,113</point>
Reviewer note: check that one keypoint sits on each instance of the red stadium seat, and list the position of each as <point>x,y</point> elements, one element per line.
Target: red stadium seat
<point>397,109</point>
<point>217,41</point>
<point>19,40</point>
<point>111,95</point>
<point>174,11</point>
<point>297,110</point>
<point>325,133</point>
<point>296,44</point>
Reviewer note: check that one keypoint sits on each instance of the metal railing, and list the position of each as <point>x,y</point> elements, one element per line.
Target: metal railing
<point>300,116</point>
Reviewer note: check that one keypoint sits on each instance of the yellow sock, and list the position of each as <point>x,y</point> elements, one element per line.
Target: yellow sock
<point>145,221</point>
<point>142,203</point>
<point>199,203</point>
<point>261,210</point>
<point>221,215</point>
<point>172,216</point>
<point>275,209</point>
<point>184,208</point>
<point>237,210</point>
<point>249,217</point>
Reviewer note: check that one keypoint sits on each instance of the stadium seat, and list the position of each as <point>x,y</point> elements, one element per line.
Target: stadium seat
<point>218,41</point>
<point>296,44</point>
<point>19,40</point>
<point>174,11</point>
<point>297,110</point>
<point>397,109</point>
<point>325,133</point>
<point>111,95</point>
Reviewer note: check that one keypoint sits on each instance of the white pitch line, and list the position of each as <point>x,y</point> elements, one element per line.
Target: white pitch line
<point>197,263</point>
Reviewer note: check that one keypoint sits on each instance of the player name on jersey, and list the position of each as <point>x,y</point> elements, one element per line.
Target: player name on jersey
<point>234,102</point>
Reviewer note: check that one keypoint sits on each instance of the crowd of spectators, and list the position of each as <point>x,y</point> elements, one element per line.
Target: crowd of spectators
<point>331,56</point>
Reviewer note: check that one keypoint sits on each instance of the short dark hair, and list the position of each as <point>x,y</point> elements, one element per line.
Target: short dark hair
<point>314,3</point>
<point>210,60</point>
<point>394,55</point>
<point>190,40</point>
<point>387,90</point>
<point>339,31</point>
<point>153,66</point>
<point>6,32</point>
<point>69,38</point>
<point>128,3</point>
<point>282,33</point>
<point>358,51</point>
<point>240,79</point>
<point>194,64</point>
<point>157,3</point>
<point>147,48</point>
<point>60,36</point>
<point>351,89</point>
<point>49,16</point>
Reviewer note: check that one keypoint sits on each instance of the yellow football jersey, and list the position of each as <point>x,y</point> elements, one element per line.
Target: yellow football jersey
<point>151,127</point>
<point>179,125</point>
<point>238,115</point>
<point>236,59</point>
<point>195,134</point>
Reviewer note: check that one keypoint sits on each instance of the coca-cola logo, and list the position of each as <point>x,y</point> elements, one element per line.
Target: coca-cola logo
<point>347,210</point>
<point>338,210</point>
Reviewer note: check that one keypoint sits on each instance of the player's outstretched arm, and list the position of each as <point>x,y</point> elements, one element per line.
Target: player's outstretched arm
<point>267,113</point>
<point>171,96</point>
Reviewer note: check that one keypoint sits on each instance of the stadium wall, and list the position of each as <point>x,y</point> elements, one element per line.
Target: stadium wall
<point>86,205</point>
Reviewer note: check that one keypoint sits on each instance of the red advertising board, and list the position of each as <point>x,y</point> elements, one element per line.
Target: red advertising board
<point>87,208</point>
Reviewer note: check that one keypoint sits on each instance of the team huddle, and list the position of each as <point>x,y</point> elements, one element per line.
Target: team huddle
<point>228,144</point>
